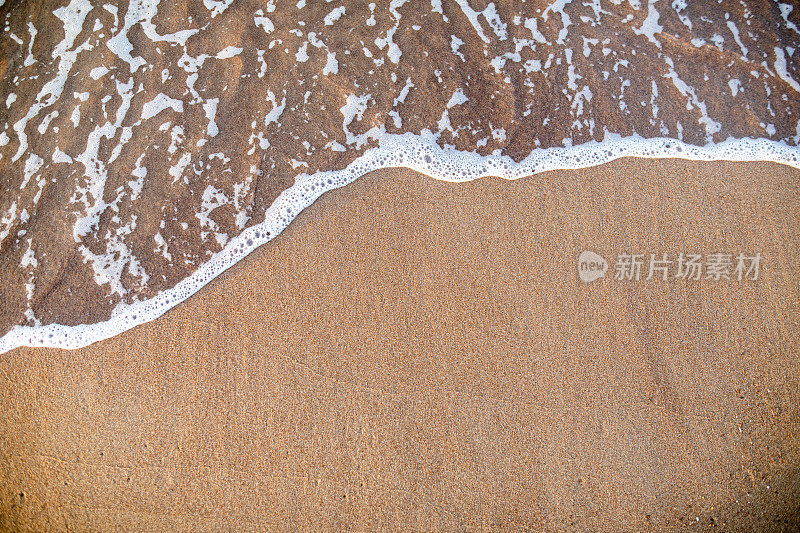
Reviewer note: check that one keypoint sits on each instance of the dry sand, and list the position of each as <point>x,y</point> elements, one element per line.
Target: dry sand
<point>414,355</point>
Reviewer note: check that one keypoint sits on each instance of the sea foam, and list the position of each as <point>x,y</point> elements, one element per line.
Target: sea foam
<point>417,152</point>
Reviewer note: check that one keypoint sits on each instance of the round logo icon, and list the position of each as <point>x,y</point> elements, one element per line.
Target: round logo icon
<point>591,266</point>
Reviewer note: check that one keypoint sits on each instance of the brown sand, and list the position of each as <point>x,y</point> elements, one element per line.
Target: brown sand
<point>413,354</point>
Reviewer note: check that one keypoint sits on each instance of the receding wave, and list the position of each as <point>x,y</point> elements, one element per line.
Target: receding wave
<point>147,146</point>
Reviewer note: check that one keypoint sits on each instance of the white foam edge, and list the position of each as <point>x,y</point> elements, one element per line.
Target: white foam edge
<point>417,152</point>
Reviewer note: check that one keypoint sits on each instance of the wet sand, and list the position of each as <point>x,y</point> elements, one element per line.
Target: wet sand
<point>419,355</point>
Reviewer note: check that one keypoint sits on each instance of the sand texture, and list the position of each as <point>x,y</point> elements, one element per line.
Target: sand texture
<point>417,355</point>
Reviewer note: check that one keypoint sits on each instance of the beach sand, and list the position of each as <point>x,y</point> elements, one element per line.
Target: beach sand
<point>417,355</point>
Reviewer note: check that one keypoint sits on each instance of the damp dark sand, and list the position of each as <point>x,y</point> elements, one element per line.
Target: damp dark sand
<point>140,140</point>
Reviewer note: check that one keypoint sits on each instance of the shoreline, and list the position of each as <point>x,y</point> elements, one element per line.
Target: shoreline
<point>412,152</point>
